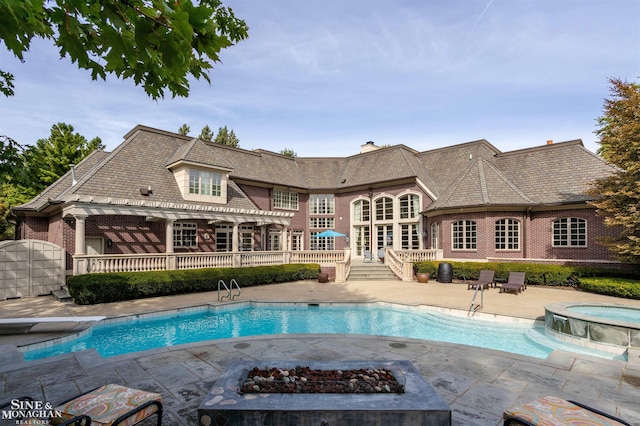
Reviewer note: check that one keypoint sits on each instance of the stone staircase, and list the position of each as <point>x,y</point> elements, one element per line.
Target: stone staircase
<point>370,271</point>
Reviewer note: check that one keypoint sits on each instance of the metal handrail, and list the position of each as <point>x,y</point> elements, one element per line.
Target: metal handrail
<point>475,293</point>
<point>231,284</point>
<point>229,289</point>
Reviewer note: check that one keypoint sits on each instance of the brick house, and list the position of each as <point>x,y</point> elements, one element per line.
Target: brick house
<point>164,193</point>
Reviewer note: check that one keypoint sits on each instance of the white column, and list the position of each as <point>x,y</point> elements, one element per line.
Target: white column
<point>235,237</point>
<point>81,248</point>
<point>169,236</point>
<point>285,239</point>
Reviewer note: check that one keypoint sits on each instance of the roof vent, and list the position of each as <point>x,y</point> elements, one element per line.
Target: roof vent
<point>368,147</point>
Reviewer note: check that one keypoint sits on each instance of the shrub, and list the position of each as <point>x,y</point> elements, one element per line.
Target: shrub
<point>113,287</point>
<point>617,287</point>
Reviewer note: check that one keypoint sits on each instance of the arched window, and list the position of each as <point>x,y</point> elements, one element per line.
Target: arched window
<point>570,232</point>
<point>384,208</point>
<point>507,234</point>
<point>361,211</point>
<point>464,234</point>
<point>409,206</point>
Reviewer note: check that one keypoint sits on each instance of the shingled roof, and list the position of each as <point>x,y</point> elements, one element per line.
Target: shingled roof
<point>472,174</point>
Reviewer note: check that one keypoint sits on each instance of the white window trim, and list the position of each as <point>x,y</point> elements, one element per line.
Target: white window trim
<point>506,241</point>
<point>569,245</point>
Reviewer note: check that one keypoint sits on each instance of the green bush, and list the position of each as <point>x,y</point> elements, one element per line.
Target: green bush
<point>113,287</point>
<point>617,287</point>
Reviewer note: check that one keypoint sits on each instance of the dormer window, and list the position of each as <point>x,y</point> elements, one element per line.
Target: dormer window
<point>201,184</point>
<point>204,183</point>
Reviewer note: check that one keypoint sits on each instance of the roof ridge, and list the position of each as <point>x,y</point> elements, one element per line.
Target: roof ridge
<point>507,181</point>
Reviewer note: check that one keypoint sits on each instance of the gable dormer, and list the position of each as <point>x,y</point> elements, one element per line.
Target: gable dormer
<point>201,175</point>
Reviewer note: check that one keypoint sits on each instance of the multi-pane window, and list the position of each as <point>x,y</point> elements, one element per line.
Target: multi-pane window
<point>184,234</point>
<point>507,234</point>
<point>410,239</point>
<point>285,199</point>
<point>321,222</point>
<point>321,204</point>
<point>435,235</point>
<point>361,211</point>
<point>384,208</point>
<point>409,206</point>
<point>322,243</point>
<point>204,183</point>
<point>570,232</point>
<point>464,235</point>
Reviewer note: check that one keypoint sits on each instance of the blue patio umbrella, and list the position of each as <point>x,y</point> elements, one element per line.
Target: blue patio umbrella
<point>329,233</point>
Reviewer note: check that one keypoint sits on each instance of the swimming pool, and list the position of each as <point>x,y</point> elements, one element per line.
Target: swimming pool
<point>118,336</point>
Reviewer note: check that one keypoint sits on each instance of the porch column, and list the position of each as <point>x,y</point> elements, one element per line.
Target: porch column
<point>80,235</point>
<point>169,236</point>
<point>285,239</point>
<point>234,237</point>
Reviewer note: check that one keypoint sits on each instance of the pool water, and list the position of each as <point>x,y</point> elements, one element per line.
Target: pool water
<point>608,312</point>
<point>111,338</point>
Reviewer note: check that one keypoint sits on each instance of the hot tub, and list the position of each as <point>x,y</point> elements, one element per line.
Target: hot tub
<point>609,327</point>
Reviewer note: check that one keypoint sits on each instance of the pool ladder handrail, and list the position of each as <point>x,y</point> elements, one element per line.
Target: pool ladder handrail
<point>479,287</point>
<point>229,289</point>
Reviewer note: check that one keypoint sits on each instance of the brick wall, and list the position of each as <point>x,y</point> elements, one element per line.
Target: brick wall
<point>535,237</point>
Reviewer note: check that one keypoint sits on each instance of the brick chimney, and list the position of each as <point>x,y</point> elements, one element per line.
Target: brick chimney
<point>550,142</point>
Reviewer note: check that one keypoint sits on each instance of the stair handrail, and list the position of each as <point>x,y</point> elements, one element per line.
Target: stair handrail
<point>480,288</point>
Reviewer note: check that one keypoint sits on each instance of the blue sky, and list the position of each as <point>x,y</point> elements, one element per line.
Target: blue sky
<point>324,77</point>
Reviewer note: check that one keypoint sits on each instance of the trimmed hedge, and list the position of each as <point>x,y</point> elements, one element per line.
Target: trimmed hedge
<point>625,288</point>
<point>536,273</point>
<point>114,287</point>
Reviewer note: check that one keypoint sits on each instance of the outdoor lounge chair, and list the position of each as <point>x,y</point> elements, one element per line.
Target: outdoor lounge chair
<point>485,280</point>
<point>515,283</point>
<point>368,257</point>
<point>555,411</point>
<point>108,405</point>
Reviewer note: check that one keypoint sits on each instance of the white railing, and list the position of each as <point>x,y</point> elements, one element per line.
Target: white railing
<point>125,263</point>
<point>400,262</point>
<point>401,267</point>
<point>93,264</point>
<point>419,255</point>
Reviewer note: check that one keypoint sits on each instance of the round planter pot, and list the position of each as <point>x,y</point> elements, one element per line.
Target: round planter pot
<point>423,277</point>
<point>323,278</point>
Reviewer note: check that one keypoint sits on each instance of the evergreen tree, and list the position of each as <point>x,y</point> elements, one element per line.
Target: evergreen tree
<point>206,134</point>
<point>617,197</point>
<point>40,166</point>
<point>287,152</point>
<point>227,137</point>
<point>184,130</point>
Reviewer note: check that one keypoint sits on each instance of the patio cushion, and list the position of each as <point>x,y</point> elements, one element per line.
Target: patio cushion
<point>552,411</point>
<point>107,403</point>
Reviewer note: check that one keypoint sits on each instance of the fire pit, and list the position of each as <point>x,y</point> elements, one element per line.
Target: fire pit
<point>306,380</point>
<point>245,394</point>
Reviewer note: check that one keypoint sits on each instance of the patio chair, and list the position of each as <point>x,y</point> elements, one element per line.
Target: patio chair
<point>485,280</point>
<point>113,405</point>
<point>368,257</point>
<point>515,283</point>
<point>555,411</point>
<point>108,405</point>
